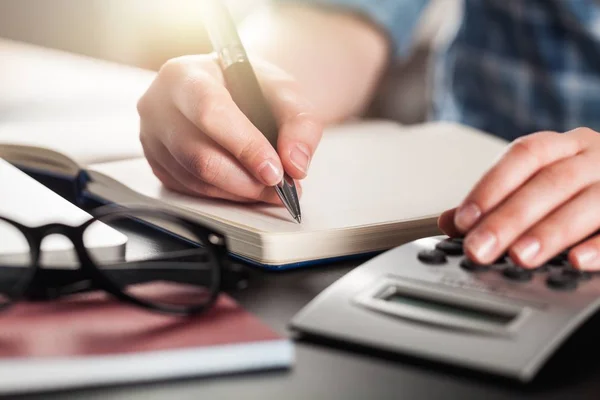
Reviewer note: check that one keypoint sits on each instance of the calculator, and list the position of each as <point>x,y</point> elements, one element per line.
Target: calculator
<point>427,299</point>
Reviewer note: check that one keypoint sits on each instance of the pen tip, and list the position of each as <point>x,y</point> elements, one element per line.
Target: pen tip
<point>298,219</point>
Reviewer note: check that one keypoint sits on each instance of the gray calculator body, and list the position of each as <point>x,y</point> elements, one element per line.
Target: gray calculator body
<point>481,319</point>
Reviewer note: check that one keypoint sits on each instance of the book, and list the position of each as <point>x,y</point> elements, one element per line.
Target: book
<point>136,346</point>
<point>28,202</point>
<point>372,185</point>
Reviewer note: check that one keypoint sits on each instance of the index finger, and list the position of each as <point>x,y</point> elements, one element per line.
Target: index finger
<point>300,129</point>
<point>203,100</point>
<point>525,157</point>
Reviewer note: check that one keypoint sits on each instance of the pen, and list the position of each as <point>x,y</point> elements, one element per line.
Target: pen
<point>245,90</point>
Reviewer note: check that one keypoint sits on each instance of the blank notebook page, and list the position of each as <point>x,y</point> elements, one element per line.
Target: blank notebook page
<point>367,173</point>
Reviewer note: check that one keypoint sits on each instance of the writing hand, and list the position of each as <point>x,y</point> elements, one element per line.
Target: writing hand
<point>198,142</point>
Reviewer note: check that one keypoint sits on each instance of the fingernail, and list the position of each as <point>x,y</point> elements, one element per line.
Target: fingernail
<point>527,248</point>
<point>300,157</point>
<point>467,216</point>
<point>587,257</point>
<point>270,174</point>
<point>481,244</point>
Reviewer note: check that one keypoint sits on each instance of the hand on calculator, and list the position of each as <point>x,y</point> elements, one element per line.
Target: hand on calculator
<point>541,197</point>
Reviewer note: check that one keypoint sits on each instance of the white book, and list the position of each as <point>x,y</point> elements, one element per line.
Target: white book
<point>28,202</point>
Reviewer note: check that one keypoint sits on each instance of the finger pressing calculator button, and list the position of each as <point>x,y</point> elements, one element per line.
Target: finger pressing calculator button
<point>451,247</point>
<point>561,281</point>
<point>517,273</point>
<point>432,257</point>
<point>472,266</point>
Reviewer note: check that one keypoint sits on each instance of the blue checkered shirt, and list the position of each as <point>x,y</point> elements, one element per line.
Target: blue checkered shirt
<point>513,67</point>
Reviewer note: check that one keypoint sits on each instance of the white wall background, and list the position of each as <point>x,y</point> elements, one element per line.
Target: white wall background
<point>142,32</point>
<point>148,32</point>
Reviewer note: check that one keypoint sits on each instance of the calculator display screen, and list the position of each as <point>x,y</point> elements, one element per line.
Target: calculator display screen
<point>454,310</point>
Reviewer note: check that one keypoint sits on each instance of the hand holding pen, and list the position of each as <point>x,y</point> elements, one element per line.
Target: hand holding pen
<point>199,142</point>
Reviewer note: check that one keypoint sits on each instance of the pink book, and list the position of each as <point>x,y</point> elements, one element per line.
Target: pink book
<point>93,339</point>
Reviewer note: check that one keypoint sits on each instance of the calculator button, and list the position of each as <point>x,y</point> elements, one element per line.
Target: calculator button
<point>557,261</point>
<point>432,257</point>
<point>561,282</point>
<point>517,274</point>
<point>450,247</point>
<point>472,266</point>
<point>577,274</point>
<point>543,268</point>
<point>503,259</point>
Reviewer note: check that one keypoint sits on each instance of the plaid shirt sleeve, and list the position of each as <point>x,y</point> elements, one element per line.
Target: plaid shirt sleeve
<point>398,18</point>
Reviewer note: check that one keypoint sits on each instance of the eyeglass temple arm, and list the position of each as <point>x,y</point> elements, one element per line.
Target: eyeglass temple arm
<point>173,271</point>
<point>174,266</point>
<point>178,267</point>
<point>188,266</point>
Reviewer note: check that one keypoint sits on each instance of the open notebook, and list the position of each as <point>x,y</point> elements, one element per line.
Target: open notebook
<point>372,185</point>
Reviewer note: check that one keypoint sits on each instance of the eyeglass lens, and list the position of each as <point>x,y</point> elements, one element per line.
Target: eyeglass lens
<point>161,269</point>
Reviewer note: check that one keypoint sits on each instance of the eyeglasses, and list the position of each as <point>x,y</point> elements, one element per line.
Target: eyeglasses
<point>182,273</point>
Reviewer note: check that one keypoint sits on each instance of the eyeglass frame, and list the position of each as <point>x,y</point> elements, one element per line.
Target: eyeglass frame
<point>226,274</point>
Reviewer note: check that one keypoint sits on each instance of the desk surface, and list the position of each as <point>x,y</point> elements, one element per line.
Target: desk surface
<point>325,370</point>
<point>340,372</point>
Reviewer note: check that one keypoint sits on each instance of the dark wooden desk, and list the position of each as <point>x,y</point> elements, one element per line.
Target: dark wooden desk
<point>336,371</point>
